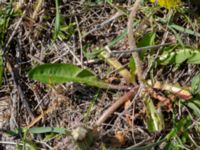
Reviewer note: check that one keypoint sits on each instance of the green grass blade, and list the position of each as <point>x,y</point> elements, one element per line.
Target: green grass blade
<point>176,35</point>
<point>39,130</point>
<point>194,108</point>
<point>118,38</point>
<point>57,21</point>
<point>184,30</point>
<point>121,36</point>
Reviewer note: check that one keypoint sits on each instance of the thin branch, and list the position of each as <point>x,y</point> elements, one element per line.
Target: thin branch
<point>114,52</point>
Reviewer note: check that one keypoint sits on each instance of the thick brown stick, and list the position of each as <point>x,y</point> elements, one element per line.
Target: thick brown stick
<point>128,96</point>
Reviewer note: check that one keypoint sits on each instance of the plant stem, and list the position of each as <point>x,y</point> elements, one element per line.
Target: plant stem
<point>132,43</point>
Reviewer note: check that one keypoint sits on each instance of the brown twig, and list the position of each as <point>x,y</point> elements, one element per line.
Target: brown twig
<point>132,43</point>
<point>129,95</point>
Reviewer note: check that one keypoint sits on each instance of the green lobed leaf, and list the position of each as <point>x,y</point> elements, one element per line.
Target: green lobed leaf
<point>188,55</point>
<point>62,73</point>
<point>183,55</point>
<point>167,58</point>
